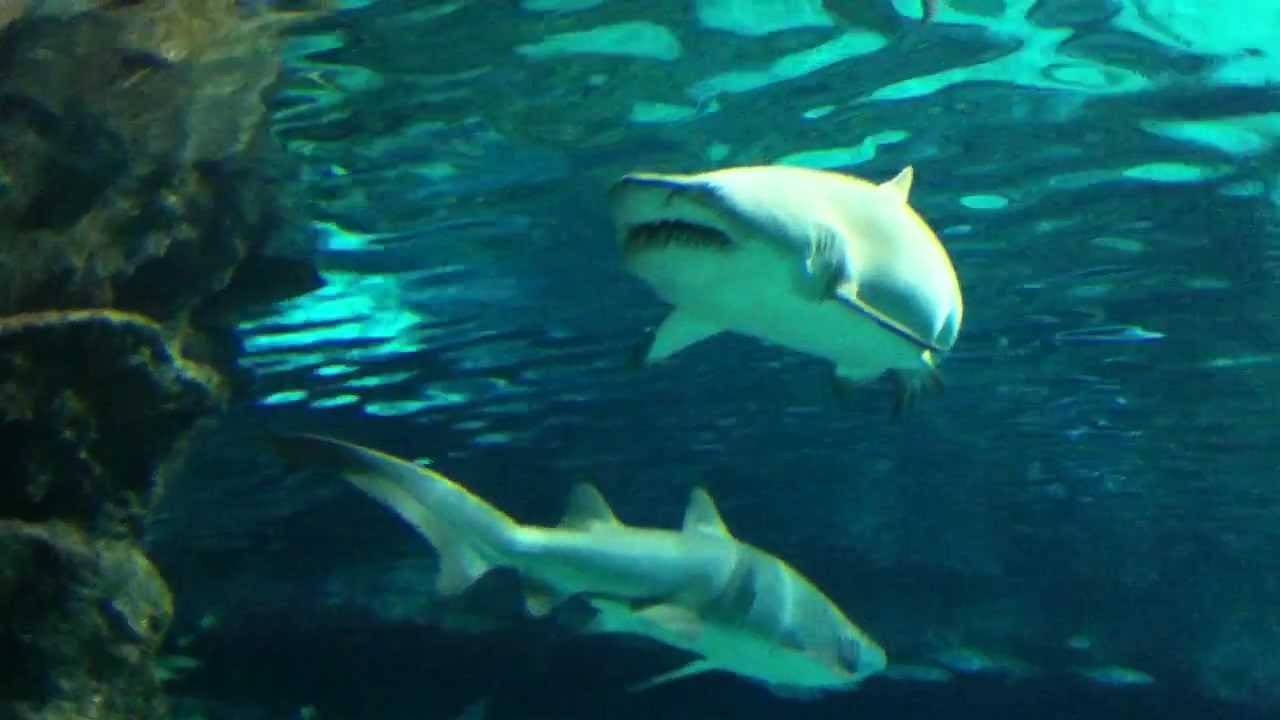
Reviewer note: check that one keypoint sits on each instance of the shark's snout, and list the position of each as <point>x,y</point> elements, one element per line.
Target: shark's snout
<point>874,660</point>
<point>655,205</point>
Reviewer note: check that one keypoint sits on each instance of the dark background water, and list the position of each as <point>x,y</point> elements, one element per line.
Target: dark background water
<point>1102,465</point>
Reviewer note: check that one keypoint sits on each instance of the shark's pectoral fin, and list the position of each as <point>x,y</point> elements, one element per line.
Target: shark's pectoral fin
<point>693,668</point>
<point>678,331</point>
<point>674,619</point>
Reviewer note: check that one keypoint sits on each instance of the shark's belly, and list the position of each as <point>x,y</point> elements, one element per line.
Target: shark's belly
<point>860,348</point>
<point>758,291</point>
<point>725,646</point>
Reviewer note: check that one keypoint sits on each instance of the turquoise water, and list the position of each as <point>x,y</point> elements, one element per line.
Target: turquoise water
<point>1083,525</point>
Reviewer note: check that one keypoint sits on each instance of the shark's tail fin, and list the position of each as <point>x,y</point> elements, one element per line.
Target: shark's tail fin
<point>470,535</point>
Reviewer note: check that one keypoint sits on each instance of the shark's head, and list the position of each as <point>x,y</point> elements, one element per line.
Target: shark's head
<point>815,656</point>
<point>833,653</point>
<point>801,652</point>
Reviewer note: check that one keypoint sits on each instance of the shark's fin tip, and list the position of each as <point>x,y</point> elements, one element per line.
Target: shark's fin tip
<point>678,331</point>
<point>901,183</point>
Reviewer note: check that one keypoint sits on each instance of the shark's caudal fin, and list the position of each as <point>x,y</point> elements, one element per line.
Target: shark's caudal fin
<point>470,535</point>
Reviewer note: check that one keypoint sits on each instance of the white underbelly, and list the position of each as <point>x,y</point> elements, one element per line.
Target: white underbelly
<point>755,290</point>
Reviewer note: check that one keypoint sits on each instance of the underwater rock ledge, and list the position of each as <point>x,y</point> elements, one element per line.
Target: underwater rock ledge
<point>91,614</point>
<point>142,211</point>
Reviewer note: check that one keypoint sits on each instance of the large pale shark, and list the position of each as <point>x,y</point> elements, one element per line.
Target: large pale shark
<point>820,262</point>
<point>737,608</point>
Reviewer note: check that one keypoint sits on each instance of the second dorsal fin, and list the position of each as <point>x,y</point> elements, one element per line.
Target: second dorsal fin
<point>587,507</point>
<point>701,516</point>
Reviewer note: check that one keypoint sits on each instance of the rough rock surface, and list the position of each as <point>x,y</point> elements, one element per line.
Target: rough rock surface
<point>91,403</point>
<point>84,617</point>
<point>139,212</point>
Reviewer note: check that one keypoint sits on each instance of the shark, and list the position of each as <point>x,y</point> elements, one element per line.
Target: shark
<point>821,262</point>
<point>735,607</point>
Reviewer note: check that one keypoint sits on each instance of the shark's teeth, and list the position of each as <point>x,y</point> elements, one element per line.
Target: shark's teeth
<point>666,233</point>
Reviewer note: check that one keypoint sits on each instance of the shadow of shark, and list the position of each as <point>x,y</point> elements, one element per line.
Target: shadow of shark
<point>736,607</point>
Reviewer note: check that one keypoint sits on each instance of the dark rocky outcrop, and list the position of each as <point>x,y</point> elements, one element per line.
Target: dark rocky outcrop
<point>140,210</point>
<point>85,617</point>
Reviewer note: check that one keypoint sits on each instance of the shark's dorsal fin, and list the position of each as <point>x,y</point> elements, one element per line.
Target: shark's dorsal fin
<point>702,516</point>
<point>901,183</point>
<point>587,507</point>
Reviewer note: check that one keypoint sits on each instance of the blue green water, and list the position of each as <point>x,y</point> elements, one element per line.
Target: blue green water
<point>1084,525</point>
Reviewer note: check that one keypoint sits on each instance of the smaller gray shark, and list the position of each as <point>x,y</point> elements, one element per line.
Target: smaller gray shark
<point>735,606</point>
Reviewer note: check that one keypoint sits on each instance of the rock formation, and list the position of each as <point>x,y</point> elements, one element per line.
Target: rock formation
<point>140,209</point>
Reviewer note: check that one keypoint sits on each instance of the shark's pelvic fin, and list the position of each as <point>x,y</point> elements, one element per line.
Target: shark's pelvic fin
<point>701,515</point>
<point>540,600</point>
<point>587,507</point>
<point>678,331</point>
<point>460,567</point>
<point>901,183</point>
<point>693,668</point>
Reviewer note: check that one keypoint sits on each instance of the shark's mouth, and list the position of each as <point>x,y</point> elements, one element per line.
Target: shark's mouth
<point>664,234</point>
